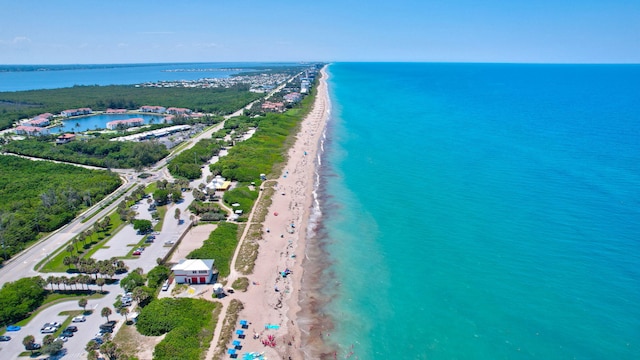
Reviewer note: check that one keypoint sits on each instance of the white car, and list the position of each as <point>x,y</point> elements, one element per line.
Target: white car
<point>165,286</point>
<point>80,318</point>
<point>62,338</point>
<point>48,330</point>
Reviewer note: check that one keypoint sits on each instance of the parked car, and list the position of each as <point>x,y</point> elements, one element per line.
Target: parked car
<point>80,318</point>
<point>67,333</point>
<point>48,330</point>
<point>152,237</point>
<point>71,328</point>
<point>165,286</point>
<point>62,338</point>
<point>55,324</point>
<point>137,253</point>
<point>33,346</point>
<point>5,338</point>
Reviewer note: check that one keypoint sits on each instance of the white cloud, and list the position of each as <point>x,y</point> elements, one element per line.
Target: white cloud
<point>21,39</point>
<point>16,41</point>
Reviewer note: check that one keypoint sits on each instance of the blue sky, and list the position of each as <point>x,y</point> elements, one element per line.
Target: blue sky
<point>117,31</point>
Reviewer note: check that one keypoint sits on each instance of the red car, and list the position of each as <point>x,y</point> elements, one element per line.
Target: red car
<point>137,252</point>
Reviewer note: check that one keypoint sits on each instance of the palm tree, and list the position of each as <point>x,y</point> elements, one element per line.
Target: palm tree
<point>67,261</point>
<point>100,282</point>
<point>50,281</point>
<point>105,312</point>
<point>124,312</point>
<point>83,303</point>
<point>177,215</point>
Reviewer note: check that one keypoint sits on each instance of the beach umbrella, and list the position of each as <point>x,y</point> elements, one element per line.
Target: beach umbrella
<point>240,332</point>
<point>231,351</point>
<point>243,322</point>
<point>275,213</point>
<point>236,342</point>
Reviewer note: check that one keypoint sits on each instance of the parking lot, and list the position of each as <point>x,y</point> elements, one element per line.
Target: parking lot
<point>74,347</point>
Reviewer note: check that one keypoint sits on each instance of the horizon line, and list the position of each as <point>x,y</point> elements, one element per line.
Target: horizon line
<point>300,62</point>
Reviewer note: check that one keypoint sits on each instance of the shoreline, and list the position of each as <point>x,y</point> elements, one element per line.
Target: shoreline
<point>273,297</point>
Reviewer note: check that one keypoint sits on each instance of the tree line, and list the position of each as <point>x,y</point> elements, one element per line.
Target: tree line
<point>26,104</point>
<point>40,196</point>
<point>95,152</point>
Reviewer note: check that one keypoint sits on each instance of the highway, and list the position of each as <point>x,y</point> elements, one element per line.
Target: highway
<point>23,264</point>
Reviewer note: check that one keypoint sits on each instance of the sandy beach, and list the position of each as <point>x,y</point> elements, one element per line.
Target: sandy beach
<point>272,300</point>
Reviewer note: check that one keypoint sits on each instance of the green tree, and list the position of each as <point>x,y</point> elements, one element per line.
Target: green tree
<point>48,339</point>
<point>28,342</point>
<point>161,196</point>
<point>177,214</point>
<point>83,303</point>
<point>105,312</point>
<point>124,312</point>
<point>100,282</point>
<point>132,281</point>
<point>52,348</point>
<point>19,298</point>
<point>157,276</point>
<point>143,226</point>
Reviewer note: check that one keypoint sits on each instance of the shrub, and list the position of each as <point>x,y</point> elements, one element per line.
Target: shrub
<point>220,246</point>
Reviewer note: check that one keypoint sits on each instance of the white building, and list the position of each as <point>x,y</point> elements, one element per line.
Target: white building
<point>193,271</point>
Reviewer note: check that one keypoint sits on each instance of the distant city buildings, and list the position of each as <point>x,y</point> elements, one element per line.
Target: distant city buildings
<point>113,125</point>
<point>272,106</point>
<point>76,112</point>
<point>31,130</point>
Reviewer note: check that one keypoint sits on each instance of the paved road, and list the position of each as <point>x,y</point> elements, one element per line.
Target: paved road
<point>86,330</point>
<point>22,265</point>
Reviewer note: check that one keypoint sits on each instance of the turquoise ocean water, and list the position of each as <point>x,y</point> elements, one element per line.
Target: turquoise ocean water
<point>482,211</point>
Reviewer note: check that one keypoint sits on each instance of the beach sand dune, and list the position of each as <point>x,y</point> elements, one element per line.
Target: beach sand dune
<point>271,302</point>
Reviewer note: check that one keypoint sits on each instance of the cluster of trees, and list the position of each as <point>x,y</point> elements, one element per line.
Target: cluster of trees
<point>26,104</point>
<point>95,152</point>
<point>166,191</point>
<point>207,211</point>
<point>188,323</point>
<point>105,268</point>
<point>19,298</point>
<point>220,246</point>
<point>41,196</point>
<point>187,163</point>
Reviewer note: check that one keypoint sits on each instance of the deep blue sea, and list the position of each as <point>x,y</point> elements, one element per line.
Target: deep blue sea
<point>483,211</point>
<point>33,77</point>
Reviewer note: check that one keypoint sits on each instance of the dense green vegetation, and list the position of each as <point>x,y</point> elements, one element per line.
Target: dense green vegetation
<point>96,152</point>
<point>19,298</point>
<point>40,196</point>
<point>26,104</point>
<point>257,155</point>
<point>241,195</point>
<point>188,322</point>
<point>187,163</point>
<point>219,246</point>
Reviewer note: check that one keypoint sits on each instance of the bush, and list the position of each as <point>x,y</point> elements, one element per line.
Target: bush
<point>188,322</point>
<point>19,298</point>
<point>157,276</point>
<point>220,246</point>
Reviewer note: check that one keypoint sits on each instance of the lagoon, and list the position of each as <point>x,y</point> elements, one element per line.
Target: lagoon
<point>99,122</point>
